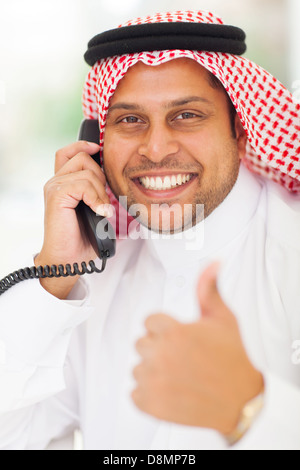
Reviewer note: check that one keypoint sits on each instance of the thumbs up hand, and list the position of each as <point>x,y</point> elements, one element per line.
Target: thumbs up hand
<point>198,373</point>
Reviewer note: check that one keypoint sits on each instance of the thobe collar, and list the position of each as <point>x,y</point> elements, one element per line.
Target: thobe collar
<point>214,232</point>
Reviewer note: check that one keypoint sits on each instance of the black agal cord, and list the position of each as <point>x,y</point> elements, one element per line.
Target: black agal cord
<point>166,36</point>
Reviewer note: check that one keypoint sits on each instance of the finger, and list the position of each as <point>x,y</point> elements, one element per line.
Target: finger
<point>65,154</point>
<point>159,323</point>
<point>136,398</point>
<point>210,300</point>
<point>138,372</point>
<point>82,161</point>
<point>144,347</point>
<point>68,194</point>
<point>60,181</point>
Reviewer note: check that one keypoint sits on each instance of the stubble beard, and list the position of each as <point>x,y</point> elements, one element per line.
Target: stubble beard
<point>204,202</point>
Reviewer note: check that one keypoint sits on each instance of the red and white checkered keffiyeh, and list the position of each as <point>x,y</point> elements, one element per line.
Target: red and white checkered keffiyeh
<point>269,113</point>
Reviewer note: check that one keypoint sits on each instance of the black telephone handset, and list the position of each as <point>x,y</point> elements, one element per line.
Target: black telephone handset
<point>89,221</point>
<point>98,230</point>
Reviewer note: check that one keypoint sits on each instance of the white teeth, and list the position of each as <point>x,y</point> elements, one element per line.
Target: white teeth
<point>152,183</point>
<point>162,183</point>
<point>167,183</point>
<point>159,183</point>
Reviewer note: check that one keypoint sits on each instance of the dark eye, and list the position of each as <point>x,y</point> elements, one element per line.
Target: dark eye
<point>186,115</point>
<point>131,120</point>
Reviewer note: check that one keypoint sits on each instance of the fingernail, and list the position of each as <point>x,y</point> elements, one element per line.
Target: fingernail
<point>93,144</point>
<point>105,210</point>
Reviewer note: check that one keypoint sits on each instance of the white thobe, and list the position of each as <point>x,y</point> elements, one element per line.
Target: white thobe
<point>68,364</point>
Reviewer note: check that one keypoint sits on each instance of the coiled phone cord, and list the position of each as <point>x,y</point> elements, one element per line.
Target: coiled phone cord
<point>41,272</point>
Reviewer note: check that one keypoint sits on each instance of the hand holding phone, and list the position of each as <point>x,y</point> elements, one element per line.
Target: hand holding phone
<point>89,131</point>
<point>68,237</point>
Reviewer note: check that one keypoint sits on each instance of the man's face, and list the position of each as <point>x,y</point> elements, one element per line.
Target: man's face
<point>168,140</point>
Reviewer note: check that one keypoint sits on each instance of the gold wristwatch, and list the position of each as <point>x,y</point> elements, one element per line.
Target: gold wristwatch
<point>248,415</point>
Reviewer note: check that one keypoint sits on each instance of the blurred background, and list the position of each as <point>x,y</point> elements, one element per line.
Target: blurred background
<point>41,77</point>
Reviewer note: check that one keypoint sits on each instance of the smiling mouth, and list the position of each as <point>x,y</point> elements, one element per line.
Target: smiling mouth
<point>165,183</point>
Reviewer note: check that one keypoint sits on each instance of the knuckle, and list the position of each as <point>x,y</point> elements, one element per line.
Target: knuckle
<point>88,173</point>
<point>53,190</point>
<point>139,344</point>
<point>137,398</point>
<point>150,322</point>
<point>58,154</point>
<point>83,156</point>
<point>85,184</point>
<point>85,161</point>
<point>48,186</point>
<point>136,372</point>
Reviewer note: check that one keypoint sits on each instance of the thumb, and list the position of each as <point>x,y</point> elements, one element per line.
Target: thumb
<point>210,301</point>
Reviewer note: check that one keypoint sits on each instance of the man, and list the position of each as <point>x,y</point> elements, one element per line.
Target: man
<point>212,349</point>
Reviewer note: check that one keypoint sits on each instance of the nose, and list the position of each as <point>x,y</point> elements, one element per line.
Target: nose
<point>158,142</point>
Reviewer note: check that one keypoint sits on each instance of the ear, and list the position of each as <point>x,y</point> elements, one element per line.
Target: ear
<point>241,137</point>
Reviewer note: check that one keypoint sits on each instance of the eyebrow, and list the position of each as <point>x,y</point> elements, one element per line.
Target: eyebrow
<point>187,100</point>
<point>171,104</point>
